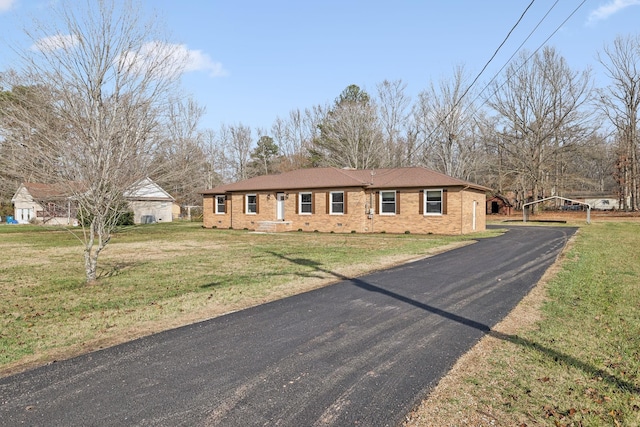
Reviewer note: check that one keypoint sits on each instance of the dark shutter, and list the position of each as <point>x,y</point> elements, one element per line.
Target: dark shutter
<point>257,204</point>
<point>328,201</point>
<point>421,203</point>
<point>244,203</point>
<point>397,203</point>
<point>344,200</point>
<point>444,202</point>
<point>313,203</point>
<point>377,202</point>
<point>226,203</point>
<point>297,203</point>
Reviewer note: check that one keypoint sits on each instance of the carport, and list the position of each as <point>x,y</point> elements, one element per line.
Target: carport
<point>525,210</point>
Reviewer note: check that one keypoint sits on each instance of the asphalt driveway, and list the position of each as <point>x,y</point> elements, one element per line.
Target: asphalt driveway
<point>360,352</point>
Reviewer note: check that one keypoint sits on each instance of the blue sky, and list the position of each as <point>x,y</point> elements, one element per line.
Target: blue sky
<point>257,60</point>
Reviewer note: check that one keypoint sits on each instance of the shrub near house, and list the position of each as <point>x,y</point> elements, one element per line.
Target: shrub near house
<point>401,200</point>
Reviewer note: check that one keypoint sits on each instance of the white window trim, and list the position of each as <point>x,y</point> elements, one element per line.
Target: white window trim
<point>300,203</point>
<point>247,204</point>
<point>215,201</point>
<point>395,201</point>
<point>331,212</point>
<point>424,207</point>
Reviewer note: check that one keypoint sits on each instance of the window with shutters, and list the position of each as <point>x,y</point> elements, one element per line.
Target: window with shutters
<point>252,203</point>
<point>220,204</point>
<point>306,204</point>
<point>387,203</point>
<point>433,202</point>
<point>336,206</point>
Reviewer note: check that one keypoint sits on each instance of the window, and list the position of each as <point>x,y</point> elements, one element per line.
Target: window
<point>337,202</point>
<point>387,202</point>
<point>220,204</point>
<point>433,202</point>
<point>252,204</point>
<point>306,203</point>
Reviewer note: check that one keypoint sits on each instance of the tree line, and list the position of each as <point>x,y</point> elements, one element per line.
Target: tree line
<point>543,129</point>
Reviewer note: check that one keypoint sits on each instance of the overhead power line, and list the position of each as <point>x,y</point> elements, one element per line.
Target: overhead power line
<point>477,77</point>
<point>506,63</point>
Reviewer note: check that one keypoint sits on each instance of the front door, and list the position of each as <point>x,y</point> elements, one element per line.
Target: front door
<point>24,215</point>
<point>280,206</point>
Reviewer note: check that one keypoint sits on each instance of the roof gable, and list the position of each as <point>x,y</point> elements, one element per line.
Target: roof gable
<point>147,189</point>
<point>39,191</point>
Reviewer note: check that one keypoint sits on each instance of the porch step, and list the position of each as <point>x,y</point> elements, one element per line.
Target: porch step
<point>273,226</point>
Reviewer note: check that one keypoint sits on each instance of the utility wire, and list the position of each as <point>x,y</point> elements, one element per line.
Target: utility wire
<point>534,52</point>
<point>477,77</point>
<point>496,75</point>
<point>519,47</point>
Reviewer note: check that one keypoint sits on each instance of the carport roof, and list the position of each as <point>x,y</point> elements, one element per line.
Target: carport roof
<point>315,178</point>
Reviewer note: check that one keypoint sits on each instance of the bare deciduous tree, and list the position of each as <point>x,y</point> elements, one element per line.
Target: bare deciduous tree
<point>620,102</point>
<point>295,135</point>
<point>236,142</point>
<point>181,156</point>
<point>541,120</point>
<point>395,117</point>
<point>350,133</point>
<point>217,166</point>
<point>444,118</point>
<point>108,77</point>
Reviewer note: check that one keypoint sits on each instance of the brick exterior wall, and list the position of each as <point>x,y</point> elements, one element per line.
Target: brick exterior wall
<point>458,219</point>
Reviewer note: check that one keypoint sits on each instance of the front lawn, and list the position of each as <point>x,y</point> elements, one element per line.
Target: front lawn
<point>154,277</point>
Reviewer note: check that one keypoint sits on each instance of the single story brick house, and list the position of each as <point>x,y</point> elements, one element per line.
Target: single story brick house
<point>400,200</point>
<point>51,204</point>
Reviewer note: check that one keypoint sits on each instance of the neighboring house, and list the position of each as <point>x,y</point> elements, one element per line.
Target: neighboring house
<point>402,200</point>
<point>50,204</point>
<point>150,203</point>
<point>43,203</point>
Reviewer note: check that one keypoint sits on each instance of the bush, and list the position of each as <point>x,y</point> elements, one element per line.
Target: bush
<point>125,216</point>
<point>6,209</point>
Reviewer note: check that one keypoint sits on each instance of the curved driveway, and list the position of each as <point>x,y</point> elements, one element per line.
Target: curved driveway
<point>363,351</point>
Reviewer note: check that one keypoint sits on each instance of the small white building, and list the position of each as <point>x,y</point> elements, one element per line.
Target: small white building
<point>48,204</point>
<point>150,203</point>
<point>599,201</point>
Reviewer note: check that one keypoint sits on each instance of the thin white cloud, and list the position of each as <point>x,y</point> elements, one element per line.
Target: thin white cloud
<point>606,10</point>
<point>200,61</point>
<point>6,5</point>
<point>172,59</point>
<point>52,43</point>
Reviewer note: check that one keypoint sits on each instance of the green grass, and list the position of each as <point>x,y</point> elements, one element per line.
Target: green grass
<point>157,276</point>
